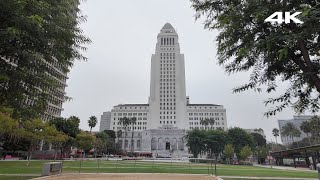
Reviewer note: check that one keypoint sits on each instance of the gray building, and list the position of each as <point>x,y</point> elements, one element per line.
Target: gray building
<point>105,121</point>
<point>296,121</point>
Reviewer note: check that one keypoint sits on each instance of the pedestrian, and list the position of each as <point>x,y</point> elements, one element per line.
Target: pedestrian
<point>318,168</point>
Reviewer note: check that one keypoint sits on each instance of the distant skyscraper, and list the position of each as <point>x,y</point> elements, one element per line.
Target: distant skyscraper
<point>105,121</point>
<point>163,122</point>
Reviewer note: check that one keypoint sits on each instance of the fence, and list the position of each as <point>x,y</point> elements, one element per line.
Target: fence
<point>161,165</point>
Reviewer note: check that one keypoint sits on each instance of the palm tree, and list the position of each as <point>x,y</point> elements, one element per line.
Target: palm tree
<point>92,122</point>
<point>133,121</point>
<point>211,122</point>
<point>275,133</point>
<point>202,122</point>
<point>119,134</point>
<point>206,122</point>
<point>306,128</point>
<point>125,122</point>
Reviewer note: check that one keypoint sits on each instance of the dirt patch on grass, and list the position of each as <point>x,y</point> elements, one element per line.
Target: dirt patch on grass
<point>133,176</point>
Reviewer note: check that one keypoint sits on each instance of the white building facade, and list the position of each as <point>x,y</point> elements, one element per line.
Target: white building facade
<point>162,123</point>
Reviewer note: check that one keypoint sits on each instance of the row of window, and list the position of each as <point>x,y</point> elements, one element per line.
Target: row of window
<point>167,54</point>
<point>202,118</point>
<point>164,76</point>
<point>164,108</point>
<point>167,68</point>
<point>206,114</point>
<point>168,122</point>
<point>168,91</point>
<point>207,128</point>
<point>139,118</point>
<point>168,72</point>
<point>168,99</point>
<point>134,108</point>
<point>168,87</point>
<point>138,128</point>
<point>197,123</point>
<point>167,104</point>
<point>130,114</point>
<point>168,112</point>
<point>168,80</point>
<point>166,49</point>
<point>167,41</point>
<point>169,57</point>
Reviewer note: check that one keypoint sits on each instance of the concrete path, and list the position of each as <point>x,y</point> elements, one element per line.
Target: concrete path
<point>273,178</point>
<point>285,168</point>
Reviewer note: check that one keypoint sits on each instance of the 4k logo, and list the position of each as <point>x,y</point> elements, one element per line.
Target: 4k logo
<point>287,18</point>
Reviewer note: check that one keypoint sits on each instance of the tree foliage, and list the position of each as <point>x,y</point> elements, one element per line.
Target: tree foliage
<point>245,152</point>
<point>275,133</point>
<point>272,52</point>
<point>259,140</point>
<point>240,138</point>
<point>92,122</point>
<point>85,141</point>
<point>228,151</point>
<point>35,35</point>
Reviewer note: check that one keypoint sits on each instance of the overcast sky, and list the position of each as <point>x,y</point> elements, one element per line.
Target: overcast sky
<point>124,35</point>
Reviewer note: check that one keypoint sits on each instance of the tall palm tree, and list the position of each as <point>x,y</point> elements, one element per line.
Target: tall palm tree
<point>125,122</point>
<point>133,121</point>
<point>202,122</point>
<point>306,128</point>
<point>92,122</point>
<point>211,122</point>
<point>119,134</point>
<point>275,133</point>
<point>206,122</point>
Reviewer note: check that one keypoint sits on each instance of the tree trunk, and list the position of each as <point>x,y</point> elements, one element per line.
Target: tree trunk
<point>29,154</point>
<point>215,165</point>
<point>276,140</point>
<point>132,143</point>
<point>306,66</point>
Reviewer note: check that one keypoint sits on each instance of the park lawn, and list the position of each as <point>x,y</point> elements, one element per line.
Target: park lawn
<point>16,177</point>
<point>19,167</point>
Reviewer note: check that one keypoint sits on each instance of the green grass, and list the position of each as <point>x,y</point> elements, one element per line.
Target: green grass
<point>19,167</point>
<point>16,177</point>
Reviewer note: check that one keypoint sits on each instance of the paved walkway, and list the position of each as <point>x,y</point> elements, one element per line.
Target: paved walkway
<point>273,178</point>
<point>285,168</point>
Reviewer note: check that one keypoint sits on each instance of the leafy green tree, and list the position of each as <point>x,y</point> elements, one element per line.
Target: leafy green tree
<point>55,138</point>
<point>85,141</point>
<point>259,140</point>
<point>92,122</point>
<point>239,138</point>
<point>275,133</point>
<point>286,52</point>
<point>261,153</point>
<point>215,141</point>
<point>195,142</point>
<point>34,35</point>
<point>103,141</point>
<point>228,151</point>
<point>111,134</point>
<point>70,127</point>
<point>245,152</point>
